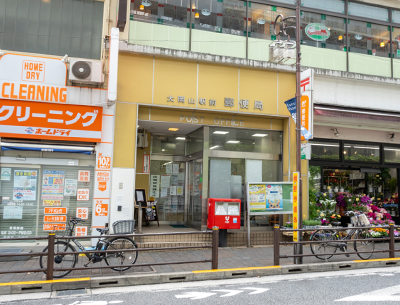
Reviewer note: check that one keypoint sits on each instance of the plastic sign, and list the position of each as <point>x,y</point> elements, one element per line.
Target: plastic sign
<point>54,226</point>
<point>82,195</point>
<point>317,31</point>
<point>55,210</point>
<point>306,101</point>
<point>80,231</point>
<point>101,208</point>
<point>296,186</point>
<point>82,213</point>
<point>103,162</point>
<point>83,176</point>
<point>54,218</point>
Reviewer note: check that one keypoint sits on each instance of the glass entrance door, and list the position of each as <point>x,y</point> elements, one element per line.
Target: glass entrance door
<point>195,183</point>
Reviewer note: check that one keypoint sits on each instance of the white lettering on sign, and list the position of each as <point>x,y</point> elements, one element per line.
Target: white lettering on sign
<point>217,121</point>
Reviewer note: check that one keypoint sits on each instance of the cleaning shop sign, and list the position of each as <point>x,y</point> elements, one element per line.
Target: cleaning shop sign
<point>317,31</point>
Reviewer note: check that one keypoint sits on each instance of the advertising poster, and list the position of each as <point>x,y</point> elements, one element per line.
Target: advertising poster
<point>53,185</point>
<point>175,168</point>
<point>273,194</point>
<point>70,187</point>
<point>6,174</point>
<point>154,186</point>
<point>24,185</point>
<point>257,198</point>
<point>12,212</point>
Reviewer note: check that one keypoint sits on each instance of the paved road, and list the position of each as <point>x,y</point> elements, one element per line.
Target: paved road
<point>368,286</point>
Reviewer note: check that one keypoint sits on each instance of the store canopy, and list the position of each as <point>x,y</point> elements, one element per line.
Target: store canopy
<point>47,148</point>
<point>356,113</point>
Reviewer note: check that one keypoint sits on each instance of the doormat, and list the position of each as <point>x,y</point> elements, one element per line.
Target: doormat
<point>179,226</point>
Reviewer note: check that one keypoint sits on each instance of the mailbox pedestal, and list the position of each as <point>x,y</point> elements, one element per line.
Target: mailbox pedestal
<point>224,214</point>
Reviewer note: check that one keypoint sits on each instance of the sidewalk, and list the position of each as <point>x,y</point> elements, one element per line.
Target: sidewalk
<point>229,258</point>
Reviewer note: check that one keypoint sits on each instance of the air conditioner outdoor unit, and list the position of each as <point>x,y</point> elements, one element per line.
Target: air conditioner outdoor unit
<point>86,71</point>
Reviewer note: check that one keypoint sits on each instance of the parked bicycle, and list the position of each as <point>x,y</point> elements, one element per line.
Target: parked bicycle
<point>125,257</point>
<point>331,240</point>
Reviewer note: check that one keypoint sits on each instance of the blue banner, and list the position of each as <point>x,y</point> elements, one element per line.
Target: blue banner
<point>291,106</point>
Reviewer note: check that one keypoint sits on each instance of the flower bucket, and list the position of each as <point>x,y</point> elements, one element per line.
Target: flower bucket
<point>342,211</point>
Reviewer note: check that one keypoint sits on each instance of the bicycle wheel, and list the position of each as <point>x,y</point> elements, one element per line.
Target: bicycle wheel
<point>368,245</point>
<point>326,247</point>
<point>126,257</point>
<point>60,261</point>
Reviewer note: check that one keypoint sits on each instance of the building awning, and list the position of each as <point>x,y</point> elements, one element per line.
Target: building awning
<point>87,150</point>
<point>357,114</point>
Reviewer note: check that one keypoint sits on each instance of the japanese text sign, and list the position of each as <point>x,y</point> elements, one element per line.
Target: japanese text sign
<point>82,213</point>
<point>54,218</point>
<point>55,210</point>
<point>101,208</point>
<point>80,231</point>
<point>83,195</point>
<point>83,176</point>
<point>306,84</point>
<point>31,120</point>
<point>296,186</point>
<point>103,162</point>
<point>54,226</point>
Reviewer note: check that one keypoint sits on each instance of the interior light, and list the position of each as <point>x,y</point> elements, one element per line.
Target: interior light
<point>173,129</point>
<point>196,15</point>
<point>382,44</point>
<point>232,142</point>
<point>261,135</point>
<point>345,152</point>
<point>340,38</point>
<point>220,132</point>
<point>181,138</point>
<point>214,147</point>
<point>141,7</point>
<point>163,149</point>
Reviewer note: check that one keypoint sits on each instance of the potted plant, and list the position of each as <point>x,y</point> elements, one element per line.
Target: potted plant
<point>392,185</point>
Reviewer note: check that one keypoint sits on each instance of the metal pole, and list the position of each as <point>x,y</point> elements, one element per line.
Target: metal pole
<point>298,128</point>
<point>215,242</point>
<point>276,245</point>
<point>140,216</point>
<point>391,241</point>
<point>50,256</point>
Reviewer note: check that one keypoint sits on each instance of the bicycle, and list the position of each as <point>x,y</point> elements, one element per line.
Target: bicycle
<point>330,240</point>
<point>126,257</point>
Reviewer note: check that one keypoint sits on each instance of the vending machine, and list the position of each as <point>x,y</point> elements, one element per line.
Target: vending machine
<point>223,213</point>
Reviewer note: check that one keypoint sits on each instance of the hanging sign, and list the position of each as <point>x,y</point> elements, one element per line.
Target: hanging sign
<point>146,164</point>
<point>317,31</point>
<point>292,107</point>
<point>296,185</point>
<point>307,113</point>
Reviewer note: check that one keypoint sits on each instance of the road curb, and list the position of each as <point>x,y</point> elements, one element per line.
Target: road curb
<point>201,275</point>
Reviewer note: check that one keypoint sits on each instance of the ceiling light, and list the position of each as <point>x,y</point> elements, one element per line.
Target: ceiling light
<point>173,129</point>
<point>261,135</point>
<point>163,149</point>
<point>366,147</point>
<point>214,147</point>
<point>181,138</point>
<point>141,7</point>
<point>345,152</point>
<point>196,15</point>
<point>65,58</point>
<point>336,132</point>
<point>232,142</point>
<point>340,38</point>
<point>146,3</point>
<point>220,132</point>
<point>382,44</point>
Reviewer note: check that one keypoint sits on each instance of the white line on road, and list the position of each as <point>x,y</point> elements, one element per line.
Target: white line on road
<point>257,290</point>
<point>195,295</point>
<point>381,295</point>
<point>230,293</point>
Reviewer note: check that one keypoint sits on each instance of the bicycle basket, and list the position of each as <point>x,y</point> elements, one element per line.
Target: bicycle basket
<point>354,220</point>
<point>364,220</point>
<point>124,226</point>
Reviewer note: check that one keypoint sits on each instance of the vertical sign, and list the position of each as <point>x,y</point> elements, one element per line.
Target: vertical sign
<point>295,205</point>
<point>306,84</point>
<point>146,164</point>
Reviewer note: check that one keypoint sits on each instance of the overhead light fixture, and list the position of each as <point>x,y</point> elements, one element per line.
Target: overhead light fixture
<point>65,58</point>
<point>392,138</point>
<point>344,152</point>
<point>163,149</point>
<point>365,147</point>
<point>173,129</point>
<point>196,15</point>
<point>332,145</point>
<point>146,3</point>
<point>232,142</point>
<point>336,132</point>
<point>181,138</point>
<point>382,44</point>
<point>214,147</point>
<point>141,7</point>
<point>340,38</point>
<point>260,135</point>
<point>220,132</point>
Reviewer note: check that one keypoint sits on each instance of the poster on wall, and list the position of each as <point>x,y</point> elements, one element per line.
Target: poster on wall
<point>12,212</point>
<point>70,187</point>
<point>273,194</point>
<point>24,185</point>
<point>53,185</point>
<point>154,186</point>
<point>6,174</point>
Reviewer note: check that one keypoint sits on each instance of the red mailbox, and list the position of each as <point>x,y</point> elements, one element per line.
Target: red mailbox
<point>223,213</point>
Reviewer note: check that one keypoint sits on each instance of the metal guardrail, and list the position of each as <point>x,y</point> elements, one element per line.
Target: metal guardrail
<point>277,230</point>
<point>51,239</point>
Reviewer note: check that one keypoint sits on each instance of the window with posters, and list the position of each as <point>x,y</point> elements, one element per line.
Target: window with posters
<point>35,199</point>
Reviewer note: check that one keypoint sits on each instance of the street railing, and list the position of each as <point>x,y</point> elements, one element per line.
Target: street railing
<point>277,243</point>
<point>52,237</point>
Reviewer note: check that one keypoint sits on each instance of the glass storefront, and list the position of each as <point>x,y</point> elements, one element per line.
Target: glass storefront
<point>36,198</point>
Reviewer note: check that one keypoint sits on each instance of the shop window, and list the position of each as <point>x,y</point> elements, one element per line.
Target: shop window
<point>392,154</point>
<point>246,140</point>
<point>286,1</point>
<point>168,145</point>
<point>167,12</point>
<point>56,27</point>
<point>369,48</point>
<point>367,11</point>
<point>194,141</point>
<point>395,16</point>
<point>325,151</point>
<point>336,6</point>
<point>396,52</point>
<point>361,153</point>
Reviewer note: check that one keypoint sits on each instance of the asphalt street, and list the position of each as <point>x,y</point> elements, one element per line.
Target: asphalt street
<point>367,286</point>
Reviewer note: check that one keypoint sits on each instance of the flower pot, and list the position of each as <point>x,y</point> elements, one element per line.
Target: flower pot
<point>330,191</point>
<point>336,189</point>
<point>370,189</point>
<point>341,189</point>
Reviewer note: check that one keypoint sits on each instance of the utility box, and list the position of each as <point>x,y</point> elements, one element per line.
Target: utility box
<point>223,213</point>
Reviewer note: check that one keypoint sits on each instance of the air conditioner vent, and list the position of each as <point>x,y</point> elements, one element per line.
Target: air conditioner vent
<point>82,69</point>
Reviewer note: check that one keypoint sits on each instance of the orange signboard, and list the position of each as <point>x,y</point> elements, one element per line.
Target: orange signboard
<point>54,218</point>
<point>32,120</point>
<point>296,185</point>
<point>55,210</point>
<point>103,162</point>
<point>54,226</point>
<point>101,209</point>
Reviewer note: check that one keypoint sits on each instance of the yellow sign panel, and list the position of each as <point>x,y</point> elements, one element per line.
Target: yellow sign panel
<point>295,205</point>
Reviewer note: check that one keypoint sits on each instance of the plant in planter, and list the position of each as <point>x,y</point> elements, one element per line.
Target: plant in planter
<point>288,225</point>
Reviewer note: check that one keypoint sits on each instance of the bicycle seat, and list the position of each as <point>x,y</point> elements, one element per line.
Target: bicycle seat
<point>102,231</point>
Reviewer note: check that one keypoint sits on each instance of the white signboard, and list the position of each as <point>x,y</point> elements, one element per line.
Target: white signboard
<point>70,187</point>
<point>12,212</point>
